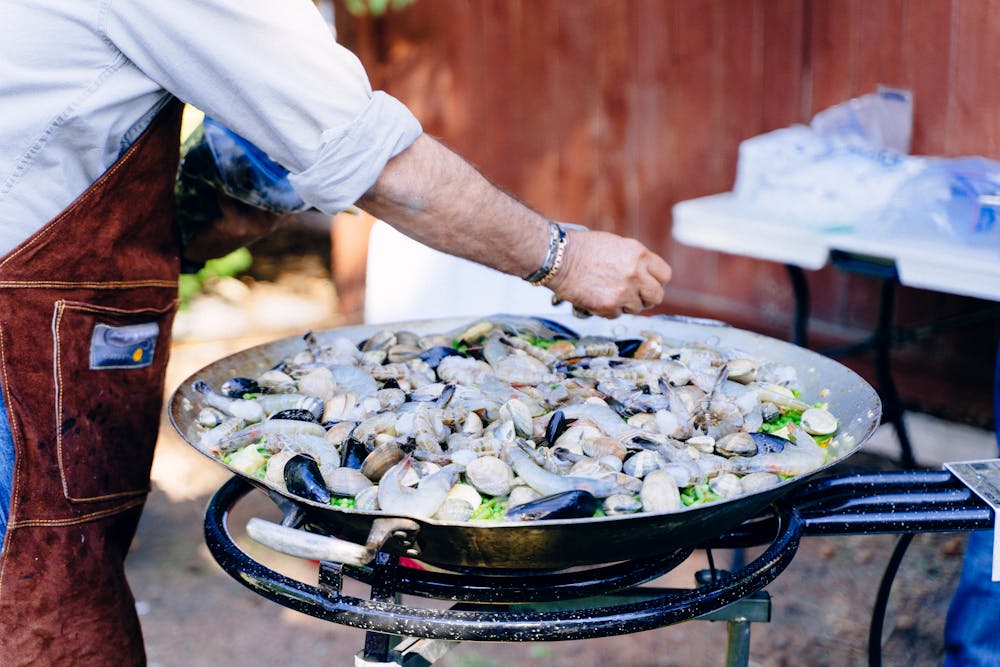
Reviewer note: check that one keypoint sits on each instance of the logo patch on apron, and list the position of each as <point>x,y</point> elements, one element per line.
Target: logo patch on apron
<point>128,346</point>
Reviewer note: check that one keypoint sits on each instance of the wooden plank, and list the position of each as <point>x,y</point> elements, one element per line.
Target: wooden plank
<point>974,126</point>
<point>925,51</point>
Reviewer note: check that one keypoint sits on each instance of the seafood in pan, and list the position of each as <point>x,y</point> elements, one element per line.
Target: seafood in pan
<point>515,418</point>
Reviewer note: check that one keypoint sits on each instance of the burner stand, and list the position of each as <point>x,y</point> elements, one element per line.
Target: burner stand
<point>511,606</point>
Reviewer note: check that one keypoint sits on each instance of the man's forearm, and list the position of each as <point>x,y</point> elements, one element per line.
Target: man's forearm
<point>436,197</point>
<point>432,195</point>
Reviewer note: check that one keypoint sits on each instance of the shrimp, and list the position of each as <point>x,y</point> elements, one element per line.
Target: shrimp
<point>547,483</point>
<point>247,410</point>
<point>423,501</point>
<point>608,421</point>
<point>272,403</point>
<point>800,456</point>
<point>718,416</point>
<point>268,431</point>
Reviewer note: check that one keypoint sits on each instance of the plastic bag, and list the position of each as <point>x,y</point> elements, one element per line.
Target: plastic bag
<point>956,199</point>
<point>216,160</point>
<point>837,173</point>
<point>882,120</point>
<point>218,156</point>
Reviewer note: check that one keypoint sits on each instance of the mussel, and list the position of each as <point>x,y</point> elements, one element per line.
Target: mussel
<point>628,346</point>
<point>297,414</point>
<point>303,479</point>
<point>353,454</point>
<point>556,427</point>
<point>433,356</point>
<point>238,386</point>
<point>574,504</point>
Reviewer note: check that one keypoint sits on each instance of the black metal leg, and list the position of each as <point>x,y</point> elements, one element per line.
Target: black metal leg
<point>892,406</point>
<point>800,288</point>
<point>378,645</point>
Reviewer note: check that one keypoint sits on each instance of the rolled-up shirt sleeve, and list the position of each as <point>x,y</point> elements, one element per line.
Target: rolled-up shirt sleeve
<point>273,73</point>
<point>351,158</point>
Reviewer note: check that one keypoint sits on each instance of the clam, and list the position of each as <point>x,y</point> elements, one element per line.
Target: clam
<point>275,474</point>
<point>817,421</point>
<point>380,459</point>
<point>390,399</point>
<point>684,473</point>
<point>490,475</point>
<point>521,494</point>
<point>726,485</point>
<point>367,499</point>
<point>380,340</point>
<point>401,352</point>
<point>621,503</point>
<point>644,421</point>
<point>604,446</point>
<point>345,481</point>
<point>642,463</point>
<point>611,462</point>
<point>454,509</point>
<point>318,382</point>
<point>651,347</point>
<point>276,382</point>
<point>467,493</point>
<point>758,481</point>
<point>743,371</point>
<point>660,493</point>
<point>703,443</point>
<point>572,438</point>
<point>519,414</point>
<point>210,417</point>
<point>472,424</point>
<point>339,406</point>
<point>736,444</point>
<point>588,467</point>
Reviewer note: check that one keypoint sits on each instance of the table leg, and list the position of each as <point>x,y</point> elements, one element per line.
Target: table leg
<point>880,342</point>
<point>800,289</point>
<point>892,408</point>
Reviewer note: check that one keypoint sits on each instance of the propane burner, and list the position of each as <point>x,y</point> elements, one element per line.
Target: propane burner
<point>500,605</point>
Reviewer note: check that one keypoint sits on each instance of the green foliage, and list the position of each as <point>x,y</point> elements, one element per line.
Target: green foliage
<point>192,284</point>
<point>375,7</point>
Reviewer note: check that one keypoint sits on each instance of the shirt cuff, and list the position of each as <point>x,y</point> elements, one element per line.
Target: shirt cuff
<point>351,157</point>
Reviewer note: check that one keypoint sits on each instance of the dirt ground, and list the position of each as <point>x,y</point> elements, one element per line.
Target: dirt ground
<point>195,615</point>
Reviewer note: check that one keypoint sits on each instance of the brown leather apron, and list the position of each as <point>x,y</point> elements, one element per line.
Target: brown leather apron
<point>86,306</point>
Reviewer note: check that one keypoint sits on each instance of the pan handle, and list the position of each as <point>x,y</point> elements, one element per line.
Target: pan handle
<point>296,542</point>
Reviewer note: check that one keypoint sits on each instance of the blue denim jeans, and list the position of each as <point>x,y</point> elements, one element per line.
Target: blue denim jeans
<point>972,628</point>
<point>6,466</point>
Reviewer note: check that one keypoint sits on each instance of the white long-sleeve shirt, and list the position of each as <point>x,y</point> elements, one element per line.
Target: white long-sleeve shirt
<point>81,79</point>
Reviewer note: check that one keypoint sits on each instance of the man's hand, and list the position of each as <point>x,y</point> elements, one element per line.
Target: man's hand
<point>608,275</point>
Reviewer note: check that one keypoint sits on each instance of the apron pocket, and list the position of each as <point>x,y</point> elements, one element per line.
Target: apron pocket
<point>109,368</point>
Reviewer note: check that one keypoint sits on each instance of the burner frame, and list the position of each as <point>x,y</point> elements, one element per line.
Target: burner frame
<point>607,600</point>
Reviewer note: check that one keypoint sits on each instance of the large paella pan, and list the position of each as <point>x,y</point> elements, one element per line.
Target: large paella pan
<point>599,536</point>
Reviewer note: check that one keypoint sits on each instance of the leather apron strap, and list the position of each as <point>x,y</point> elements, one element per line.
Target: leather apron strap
<point>86,307</point>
